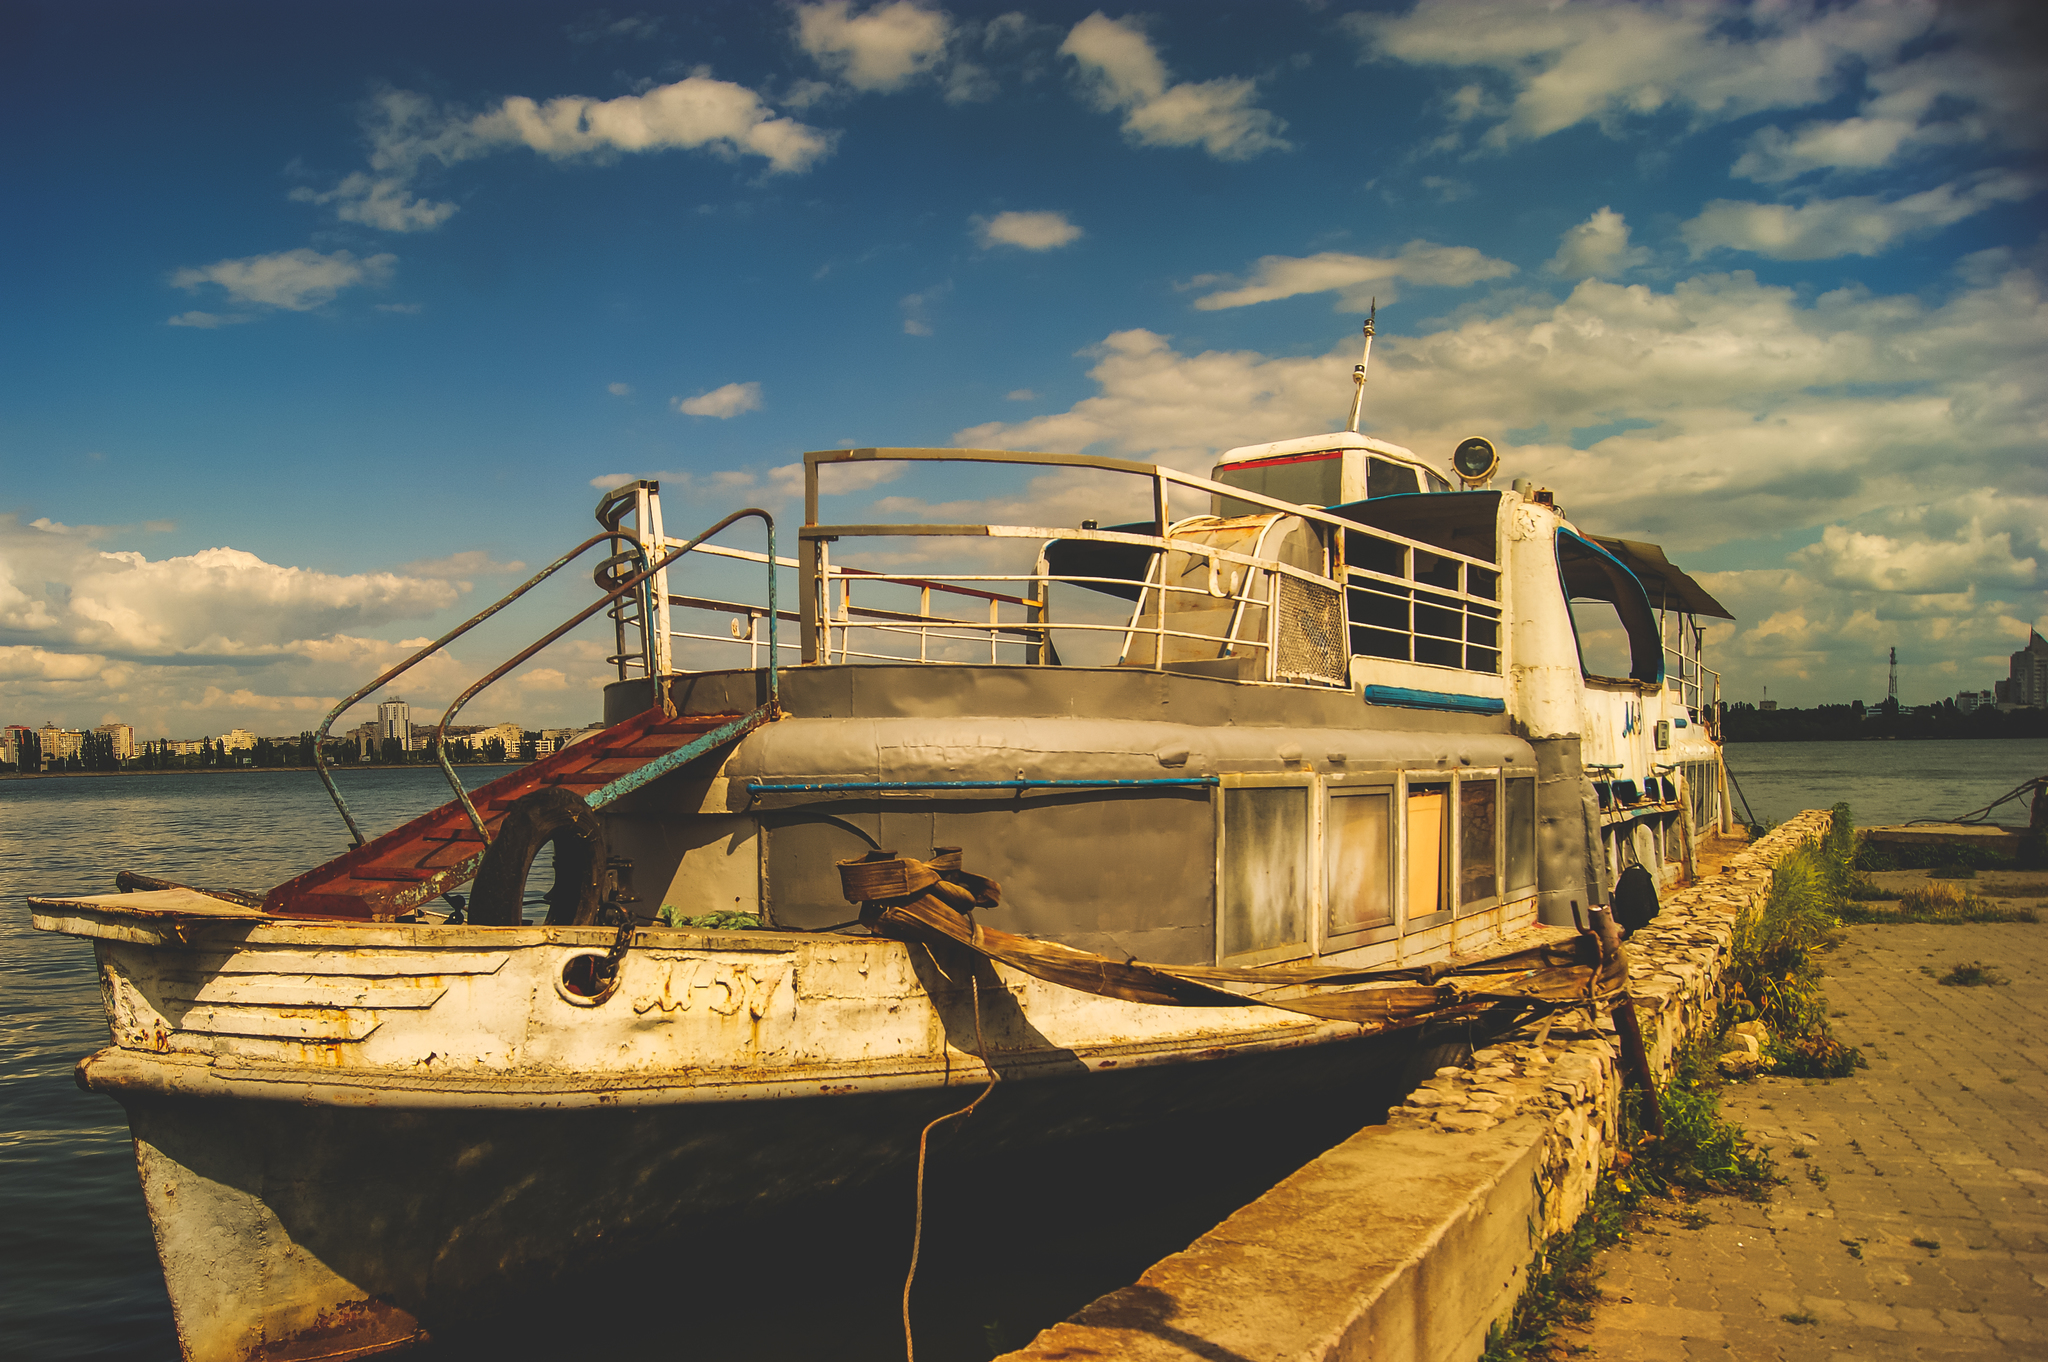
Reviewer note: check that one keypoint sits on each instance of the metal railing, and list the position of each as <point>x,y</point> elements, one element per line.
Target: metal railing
<point>320,758</point>
<point>622,586</point>
<point>1453,621</point>
<point>649,573</point>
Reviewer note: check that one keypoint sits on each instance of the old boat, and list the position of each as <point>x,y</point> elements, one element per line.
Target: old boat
<point>1314,750</point>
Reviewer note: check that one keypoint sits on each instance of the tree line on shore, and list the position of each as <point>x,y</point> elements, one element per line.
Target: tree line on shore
<point>96,753</point>
<point>1846,723</point>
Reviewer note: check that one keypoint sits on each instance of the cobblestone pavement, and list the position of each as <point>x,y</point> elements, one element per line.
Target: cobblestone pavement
<point>1914,1219</point>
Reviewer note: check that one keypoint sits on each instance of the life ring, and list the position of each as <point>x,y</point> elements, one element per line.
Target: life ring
<point>551,815</point>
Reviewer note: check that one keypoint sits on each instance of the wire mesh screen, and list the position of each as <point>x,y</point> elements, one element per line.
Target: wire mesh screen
<point>1312,645</point>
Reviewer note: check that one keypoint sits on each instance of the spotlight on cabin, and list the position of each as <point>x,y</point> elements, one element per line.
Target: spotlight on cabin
<point>1476,460</point>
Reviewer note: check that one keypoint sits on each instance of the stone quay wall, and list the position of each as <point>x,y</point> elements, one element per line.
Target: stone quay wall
<point>1406,1242</point>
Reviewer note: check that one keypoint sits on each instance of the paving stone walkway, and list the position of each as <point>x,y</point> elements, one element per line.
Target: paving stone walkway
<point>1914,1222</point>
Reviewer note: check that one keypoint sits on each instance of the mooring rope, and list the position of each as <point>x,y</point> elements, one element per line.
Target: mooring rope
<point>917,1233</point>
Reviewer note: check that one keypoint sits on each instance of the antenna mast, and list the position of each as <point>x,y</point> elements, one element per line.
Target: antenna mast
<point>1358,369</point>
<point>1893,693</point>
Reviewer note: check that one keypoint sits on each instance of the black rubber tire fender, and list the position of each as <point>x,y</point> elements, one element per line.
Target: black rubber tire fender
<point>552,815</point>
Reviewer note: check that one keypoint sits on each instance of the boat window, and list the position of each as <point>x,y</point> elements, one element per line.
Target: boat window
<point>1617,633</point>
<point>1263,879</point>
<point>1385,478</point>
<point>1478,869</point>
<point>1428,817</point>
<point>1437,483</point>
<point>1357,833</point>
<point>1518,823</point>
<point>1304,479</point>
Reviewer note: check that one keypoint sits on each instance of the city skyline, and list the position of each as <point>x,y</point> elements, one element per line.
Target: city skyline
<point>309,369</point>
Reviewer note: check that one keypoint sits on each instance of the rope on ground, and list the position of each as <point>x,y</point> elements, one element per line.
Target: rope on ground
<point>917,1233</point>
<point>2039,785</point>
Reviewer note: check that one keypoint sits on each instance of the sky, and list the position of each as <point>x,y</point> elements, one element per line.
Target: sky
<point>327,324</point>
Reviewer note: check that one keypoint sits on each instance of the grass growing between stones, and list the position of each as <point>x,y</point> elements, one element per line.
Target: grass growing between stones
<point>1773,976</point>
<point>1699,1153</point>
<point>1974,974</point>
<point>1939,904</point>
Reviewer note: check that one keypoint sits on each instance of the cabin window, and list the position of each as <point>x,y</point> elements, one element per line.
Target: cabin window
<point>1304,479</point>
<point>1385,478</point>
<point>1358,887</point>
<point>1263,880</point>
<point>1428,825</point>
<point>1518,825</point>
<point>1478,835</point>
<point>1617,632</point>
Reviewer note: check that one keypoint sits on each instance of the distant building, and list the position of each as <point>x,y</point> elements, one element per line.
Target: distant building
<point>237,740</point>
<point>2027,683</point>
<point>124,739</point>
<point>59,743</point>
<point>1767,704</point>
<point>12,739</point>
<point>508,734</point>
<point>394,720</point>
<point>184,747</point>
<point>1968,700</point>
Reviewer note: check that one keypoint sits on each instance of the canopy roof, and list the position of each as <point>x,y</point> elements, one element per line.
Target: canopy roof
<point>1669,588</point>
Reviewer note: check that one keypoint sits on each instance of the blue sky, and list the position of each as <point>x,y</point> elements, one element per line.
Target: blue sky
<point>322,318</point>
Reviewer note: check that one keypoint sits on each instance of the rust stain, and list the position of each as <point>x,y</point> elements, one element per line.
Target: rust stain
<point>358,1329</point>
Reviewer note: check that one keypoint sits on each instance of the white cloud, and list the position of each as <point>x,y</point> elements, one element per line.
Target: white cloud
<point>199,642</point>
<point>619,389</point>
<point>1356,277</point>
<point>884,47</point>
<point>1554,66</point>
<point>403,309</point>
<point>296,280</point>
<point>917,309</point>
<point>56,588</point>
<point>601,27</point>
<point>409,133</point>
<point>1020,395</point>
<point>1823,229</point>
<point>1123,73</point>
<point>468,563</point>
<point>1976,82</point>
<point>25,663</point>
<point>1026,231</point>
<point>385,202</point>
<point>1918,565</point>
<point>1753,420</point>
<point>208,321</point>
<point>1597,248</point>
<point>723,403</point>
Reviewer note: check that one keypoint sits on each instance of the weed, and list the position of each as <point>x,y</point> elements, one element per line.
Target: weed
<point>1800,1318</point>
<point>1562,1284</point>
<point>1976,974</point>
<point>1862,889</point>
<point>1953,872</point>
<point>1699,1151</point>
<point>1937,903</point>
<point>2008,1080</point>
<point>1931,1245</point>
<point>1815,1176</point>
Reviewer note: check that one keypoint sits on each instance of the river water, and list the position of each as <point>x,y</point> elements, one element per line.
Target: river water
<point>78,1270</point>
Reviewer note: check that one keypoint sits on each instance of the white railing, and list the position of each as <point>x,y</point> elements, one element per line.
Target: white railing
<point>1448,602</point>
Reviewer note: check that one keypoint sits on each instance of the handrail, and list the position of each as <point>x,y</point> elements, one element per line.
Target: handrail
<point>645,574</point>
<point>320,761</point>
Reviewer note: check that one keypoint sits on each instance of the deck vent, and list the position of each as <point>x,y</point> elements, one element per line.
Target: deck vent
<point>1312,643</point>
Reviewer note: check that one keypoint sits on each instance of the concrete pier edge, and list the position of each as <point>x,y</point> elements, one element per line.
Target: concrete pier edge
<point>1408,1240</point>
